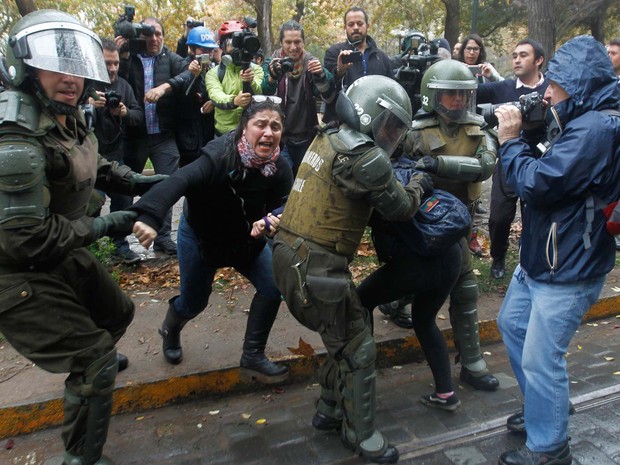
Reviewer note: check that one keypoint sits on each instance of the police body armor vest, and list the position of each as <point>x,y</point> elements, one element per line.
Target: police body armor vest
<point>465,143</point>
<point>340,226</point>
<point>70,166</point>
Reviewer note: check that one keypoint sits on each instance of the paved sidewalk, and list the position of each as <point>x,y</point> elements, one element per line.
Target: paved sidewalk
<point>273,426</point>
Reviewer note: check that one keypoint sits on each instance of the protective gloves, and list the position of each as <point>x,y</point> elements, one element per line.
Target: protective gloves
<point>140,184</point>
<point>115,223</point>
<point>428,164</point>
<point>423,180</point>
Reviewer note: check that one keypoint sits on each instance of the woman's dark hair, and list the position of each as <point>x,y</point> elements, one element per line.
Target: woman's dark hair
<point>476,38</point>
<point>251,110</point>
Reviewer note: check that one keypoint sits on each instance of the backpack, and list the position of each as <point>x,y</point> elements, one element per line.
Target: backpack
<point>441,221</point>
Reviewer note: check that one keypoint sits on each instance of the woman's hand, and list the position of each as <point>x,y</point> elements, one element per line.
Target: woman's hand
<point>144,233</point>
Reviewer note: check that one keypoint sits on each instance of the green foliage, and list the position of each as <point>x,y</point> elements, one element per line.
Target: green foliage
<point>486,283</point>
<point>103,249</point>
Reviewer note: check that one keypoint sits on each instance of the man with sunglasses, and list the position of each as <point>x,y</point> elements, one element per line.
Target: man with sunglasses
<point>459,154</point>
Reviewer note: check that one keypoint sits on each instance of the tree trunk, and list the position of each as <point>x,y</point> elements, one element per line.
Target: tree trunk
<point>597,21</point>
<point>263,10</point>
<point>453,18</point>
<point>541,24</point>
<point>25,6</point>
<point>300,6</point>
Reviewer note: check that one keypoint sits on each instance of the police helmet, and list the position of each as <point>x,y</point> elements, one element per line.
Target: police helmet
<point>448,88</point>
<point>379,106</point>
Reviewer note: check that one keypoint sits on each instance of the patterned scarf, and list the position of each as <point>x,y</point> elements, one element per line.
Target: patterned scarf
<point>298,66</point>
<point>249,159</point>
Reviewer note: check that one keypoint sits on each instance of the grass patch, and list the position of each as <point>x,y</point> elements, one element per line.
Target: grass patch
<point>486,283</point>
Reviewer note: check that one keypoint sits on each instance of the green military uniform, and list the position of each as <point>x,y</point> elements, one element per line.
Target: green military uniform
<point>466,154</point>
<point>59,307</point>
<point>342,177</point>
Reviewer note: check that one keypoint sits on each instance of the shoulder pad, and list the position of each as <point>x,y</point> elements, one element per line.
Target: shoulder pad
<point>19,108</point>
<point>373,169</point>
<point>425,120</point>
<point>473,130</point>
<point>346,140</point>
<point>474,118</point>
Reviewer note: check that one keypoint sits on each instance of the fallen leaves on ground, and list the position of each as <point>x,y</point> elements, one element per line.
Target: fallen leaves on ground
<point>304,349</point>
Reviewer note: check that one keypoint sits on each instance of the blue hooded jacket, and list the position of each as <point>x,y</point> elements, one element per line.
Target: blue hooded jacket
<point>581,168</point>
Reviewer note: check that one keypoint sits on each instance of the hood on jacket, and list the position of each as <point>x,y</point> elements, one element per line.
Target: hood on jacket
<point>583,69</point>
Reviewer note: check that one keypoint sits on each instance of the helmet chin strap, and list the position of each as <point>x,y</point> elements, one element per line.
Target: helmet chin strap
<point>55,106</point>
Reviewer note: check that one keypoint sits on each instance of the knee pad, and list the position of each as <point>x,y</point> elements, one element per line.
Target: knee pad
<point>99,376</point>
<point>465,293</point>
<point>361,352</point>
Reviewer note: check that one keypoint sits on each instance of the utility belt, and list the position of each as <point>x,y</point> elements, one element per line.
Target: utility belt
<point>297,243</point>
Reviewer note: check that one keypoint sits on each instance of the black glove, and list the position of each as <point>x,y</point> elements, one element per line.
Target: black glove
<point>423,180</point>
<point>140,184</point>
<point>428,164</point>
<point>115,223</point>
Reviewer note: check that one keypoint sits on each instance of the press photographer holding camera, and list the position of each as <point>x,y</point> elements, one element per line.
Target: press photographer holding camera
<point>189,25</point>
<point>297,78</point>
<point>157,77</point>
<point>231,84</point>
<point>116,109</point>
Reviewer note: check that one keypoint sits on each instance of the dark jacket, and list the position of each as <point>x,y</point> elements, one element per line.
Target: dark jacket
<point>505,91</point>
<point>378,64</point>
<point>583,164</point>
<point>170,68</point>
<point>222,201</point>
<point>111,130</point>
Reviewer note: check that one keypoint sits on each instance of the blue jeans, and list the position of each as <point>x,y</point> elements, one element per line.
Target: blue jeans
<point>197,275</point>
<point>537,322</point>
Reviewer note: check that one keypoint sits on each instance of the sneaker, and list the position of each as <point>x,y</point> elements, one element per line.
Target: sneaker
<point>167,246</point>
<point>480,210</point>
<point>450,404</point>
<point>127,256</point>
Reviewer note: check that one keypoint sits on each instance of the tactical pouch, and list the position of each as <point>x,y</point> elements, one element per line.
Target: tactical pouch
<point>328,288</point>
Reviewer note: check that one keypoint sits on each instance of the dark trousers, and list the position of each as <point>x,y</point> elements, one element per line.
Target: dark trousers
<point>502,213</point>
<point>164,154</point>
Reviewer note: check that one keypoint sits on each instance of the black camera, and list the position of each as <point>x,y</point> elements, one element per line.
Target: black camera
<point>416,56</point>
<point>286,65</point>
<point>112,99</point>
<point>245,44</point>
<point>354,57</point>
<point>532,107</point>
<point>192,23</point>
<point>126,28</point>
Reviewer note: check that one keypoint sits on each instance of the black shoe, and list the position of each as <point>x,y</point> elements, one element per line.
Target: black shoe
<point>524,456</point>
<point>167,246</point>
<point>498,268</point>
<point>486,382</point>
<point>516,421</point>
<point>389,455</point>
<point>123,361</point>
<point>260,368</point>
<point>402,321</point>
<point>480,210</point>
<point>324,422</point>
<point>432,400</point>
<point>170,332</point>
<point>126,256</point>
<point>390,308</point>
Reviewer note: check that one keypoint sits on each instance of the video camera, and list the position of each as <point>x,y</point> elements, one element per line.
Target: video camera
<point>191,23</point>
<point>532,107</point>
<point>245,43</point>
<point>126,28</point>
<point>416,56</point>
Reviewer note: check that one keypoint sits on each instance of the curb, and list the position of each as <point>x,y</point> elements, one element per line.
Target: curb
<point>27,418</point>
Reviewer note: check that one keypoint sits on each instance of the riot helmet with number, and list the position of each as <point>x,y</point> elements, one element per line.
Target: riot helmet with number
<point>378,106</point>
<point>449,88</point>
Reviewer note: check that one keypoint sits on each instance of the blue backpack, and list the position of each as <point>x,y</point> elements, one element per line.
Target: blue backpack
<point>441,221</point>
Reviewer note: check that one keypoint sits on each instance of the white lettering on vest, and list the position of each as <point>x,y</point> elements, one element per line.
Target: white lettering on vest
<point>314,160</point>
<point>298,185</point>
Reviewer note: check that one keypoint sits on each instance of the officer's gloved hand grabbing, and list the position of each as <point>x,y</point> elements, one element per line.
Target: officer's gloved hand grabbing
<point>115,223</point>
<point>424,181</point>
<point>140,183</point>
<point>428,164</point>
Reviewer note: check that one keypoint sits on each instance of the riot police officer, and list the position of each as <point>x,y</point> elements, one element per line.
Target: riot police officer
<point>59,306</point>
<point>344,175</point>
<point>459,154</point>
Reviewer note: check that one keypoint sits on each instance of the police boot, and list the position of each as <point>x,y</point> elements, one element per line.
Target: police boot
<point>399,312</point>
<point>464,320</point>
<point>171,334</point>
<point>357,385</point>
<point>328,414</point>
<point>87,409</point>
<point>254,365</point>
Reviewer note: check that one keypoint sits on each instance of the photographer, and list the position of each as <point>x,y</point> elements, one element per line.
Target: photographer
<point>346,65</point>
<point>196,123</point>
<point>231,84</point>
<point>115,110</point>
<point>157,76</point>
<point>297,78</point>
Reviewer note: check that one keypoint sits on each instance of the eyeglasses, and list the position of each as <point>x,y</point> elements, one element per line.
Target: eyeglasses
<point>264,98</point>
<point>472,49</point>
